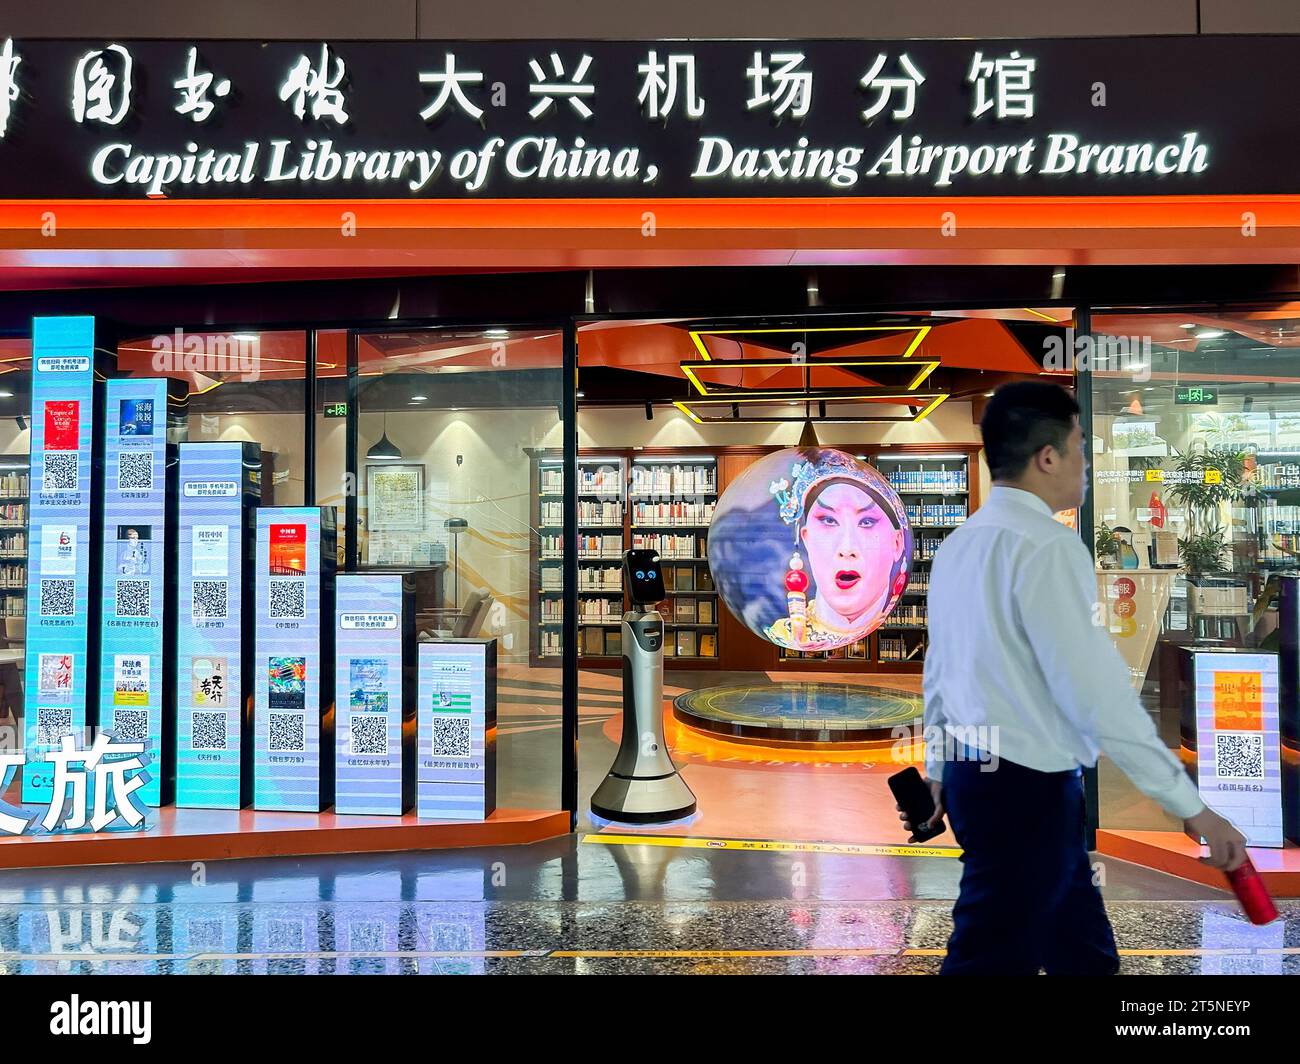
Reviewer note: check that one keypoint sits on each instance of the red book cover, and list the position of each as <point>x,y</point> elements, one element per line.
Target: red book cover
<point>289,550</point>
<point>62,424</point>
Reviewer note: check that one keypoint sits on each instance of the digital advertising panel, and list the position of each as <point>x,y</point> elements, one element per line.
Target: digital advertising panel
<point>60,596</point>
<point>1238,757</point>
<point>456,773</point>
<point>293,659</point>
<point>374,677</point>
<point>135,672</point>
<point>218,488</point>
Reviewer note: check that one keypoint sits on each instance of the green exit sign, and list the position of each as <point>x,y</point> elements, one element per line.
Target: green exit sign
<point>336,409</point>
<point>1196,397</point>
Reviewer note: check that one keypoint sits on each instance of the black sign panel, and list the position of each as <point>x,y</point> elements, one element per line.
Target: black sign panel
<point>479,120</point>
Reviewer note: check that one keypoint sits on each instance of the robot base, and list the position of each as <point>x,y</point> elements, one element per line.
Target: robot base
<point>643,801</point>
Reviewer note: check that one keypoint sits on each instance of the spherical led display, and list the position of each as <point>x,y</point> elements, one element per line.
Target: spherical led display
<point>810,548</point>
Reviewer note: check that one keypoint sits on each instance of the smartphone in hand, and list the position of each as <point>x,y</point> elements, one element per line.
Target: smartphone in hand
<point>913,796</point>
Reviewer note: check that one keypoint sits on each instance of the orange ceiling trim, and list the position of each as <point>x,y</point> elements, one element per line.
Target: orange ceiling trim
<point>980,212</point>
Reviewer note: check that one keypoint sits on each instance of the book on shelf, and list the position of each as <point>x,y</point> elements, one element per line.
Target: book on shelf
<point>705,579</point>
<point>708,645</point>
<point>670,647</point>
<point>686,644</point>
<point>706,615</point>
<point>670,575</point>
<point>685,578</point>
<point>614,642</point>
<point>684,610</point>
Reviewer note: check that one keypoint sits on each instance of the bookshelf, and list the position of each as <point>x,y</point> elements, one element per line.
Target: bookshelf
<point>671,500</point>
<point>15,492</point>
<point>602,484</point>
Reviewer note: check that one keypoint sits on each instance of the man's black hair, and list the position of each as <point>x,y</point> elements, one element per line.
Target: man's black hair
<point>1020,420</point>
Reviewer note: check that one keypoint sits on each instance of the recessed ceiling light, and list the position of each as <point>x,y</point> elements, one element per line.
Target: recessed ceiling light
<point>246,338</point>
<point>497,333</point>
<point>988,395</point>
<point>6,395</point>
<point>1210,334</point>
<point>418,398</point>
<point>1189,325</point>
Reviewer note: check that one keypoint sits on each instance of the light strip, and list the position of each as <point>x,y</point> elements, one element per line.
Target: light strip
<point>933,399</point>
<point>688,370</point>
<point>921,332</point>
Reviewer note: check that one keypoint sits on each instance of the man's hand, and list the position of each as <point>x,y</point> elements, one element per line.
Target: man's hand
<point>1227,844</point>
<point>936,789</point>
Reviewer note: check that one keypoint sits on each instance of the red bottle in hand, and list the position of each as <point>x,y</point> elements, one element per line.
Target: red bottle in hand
<point>1252,894</point>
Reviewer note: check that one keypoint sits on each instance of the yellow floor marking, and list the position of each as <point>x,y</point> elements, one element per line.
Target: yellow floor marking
<point>773,846</point>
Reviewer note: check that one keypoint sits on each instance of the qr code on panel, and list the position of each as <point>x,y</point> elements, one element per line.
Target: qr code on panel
<point>1239,755</point>
<point>132,599</point>
<point>288,599</point>
<point>208,731</point>
<point>131,725</point>
<point>369,733</point>
<point>451,735</point>
<point>135,471</point>
<point>60,471</point>
<point>209,599</point>
<point>52,723</point>
<point>58,598</point>
<point>288,733</point>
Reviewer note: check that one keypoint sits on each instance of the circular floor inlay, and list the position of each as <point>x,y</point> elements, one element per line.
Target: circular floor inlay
<point>802,712</point>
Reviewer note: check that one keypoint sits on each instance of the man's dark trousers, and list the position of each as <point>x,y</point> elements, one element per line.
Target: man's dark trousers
<point>1027,897</point>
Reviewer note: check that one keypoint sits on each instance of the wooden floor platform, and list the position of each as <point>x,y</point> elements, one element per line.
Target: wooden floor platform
<point>220,834</point>
<point>1174,853</point>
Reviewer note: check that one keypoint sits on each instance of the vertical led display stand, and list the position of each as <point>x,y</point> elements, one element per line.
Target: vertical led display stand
<point>136,680</point>
<point>456,764</point>
<point>374,680</point>
<point>1238,762</point>
<point>61,653</point>
<point>293,659</point>
<point>1289,703</point>
<point>218,487</point>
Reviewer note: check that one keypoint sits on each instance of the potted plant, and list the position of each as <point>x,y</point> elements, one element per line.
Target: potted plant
<point>1210,477</point>
<point>1106,547</point>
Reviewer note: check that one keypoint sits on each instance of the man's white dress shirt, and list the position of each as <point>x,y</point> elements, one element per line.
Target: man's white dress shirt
<point>1013,647</point>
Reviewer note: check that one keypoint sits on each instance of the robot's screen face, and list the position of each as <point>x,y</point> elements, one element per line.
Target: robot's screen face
<point>644,580</point>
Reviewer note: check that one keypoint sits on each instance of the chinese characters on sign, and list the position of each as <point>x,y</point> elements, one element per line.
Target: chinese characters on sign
<point>505,119</point>
<point>92,788</point>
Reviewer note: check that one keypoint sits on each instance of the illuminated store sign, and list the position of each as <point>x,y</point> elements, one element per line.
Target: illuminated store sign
<point>218,488</point>
<point>59,593</point>
<point>134,671</point>
<point>625,118</point>
<point>374,679</point>
<point>293,703</point>
<point>456,764</point>
<point>1238,763</point>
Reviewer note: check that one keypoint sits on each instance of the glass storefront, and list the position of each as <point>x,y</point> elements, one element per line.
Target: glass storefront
<point>1196,501</point>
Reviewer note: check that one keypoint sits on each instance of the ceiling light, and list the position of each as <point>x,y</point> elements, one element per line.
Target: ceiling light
<point>497,334</point>
<point>418,398</point>
<point>384,451</point>
<point>1210,334</point>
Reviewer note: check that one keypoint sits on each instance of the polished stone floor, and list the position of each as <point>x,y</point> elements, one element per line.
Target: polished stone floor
<point>591,904</point>
<point>572,906</point>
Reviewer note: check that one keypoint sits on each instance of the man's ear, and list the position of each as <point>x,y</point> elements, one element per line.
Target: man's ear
<point>1045,458</point>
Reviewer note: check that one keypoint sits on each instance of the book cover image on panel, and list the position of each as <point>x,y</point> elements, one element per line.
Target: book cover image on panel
<point>287,682</point>
<point>288,550</point>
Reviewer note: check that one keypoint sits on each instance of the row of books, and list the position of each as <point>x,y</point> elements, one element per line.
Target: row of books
<point>600,480</point>
<point>677,479</point>
<point>853,652</point>
<point>940,513</point>
<point>593,579</point>
<point>693,611</point>
<point>599,610</point>
<point>890,648</point>
<point>551,481</point>
<point>589,513</point>
<point>14,513</point>
<point>552,611</point>
<point>673,545</point>
<point>910,615</point>
<point>687,578</point>
<point>610,547</point>
<point>15,484</point>
<point>936,480</point>
<point>13,576</point>
<point>551,644</point>
<point>687,643</point>
<point>13,543</point>
<point>552,577</point>
<point>680,512</point>
<point>13,606</point>
<point>925,547</point>
<point>919,582</point>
